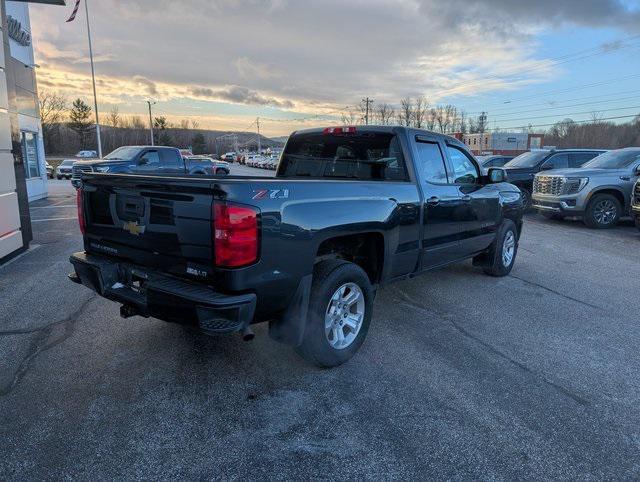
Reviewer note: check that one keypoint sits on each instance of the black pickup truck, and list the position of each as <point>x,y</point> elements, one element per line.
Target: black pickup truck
<point>350,209</point>
<point>149,160</point>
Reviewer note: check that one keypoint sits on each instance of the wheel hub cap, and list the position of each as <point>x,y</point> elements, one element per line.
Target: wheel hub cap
<point>344,315</point>
<point>605,212</point>
<point>508,248</point>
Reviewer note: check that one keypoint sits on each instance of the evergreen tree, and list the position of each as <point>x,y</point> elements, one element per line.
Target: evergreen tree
<point>80,121</point>
<point>198,144</point>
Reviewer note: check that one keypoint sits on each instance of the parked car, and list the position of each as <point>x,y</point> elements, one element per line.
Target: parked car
<point>495,160</point>
<point>251,159</point>
<point>599,192</point>
<point>65,169</point>
<point>635,203</point>
<point>305,250</point>
<point>521,169</point>
<point>144,160</point>
<point>220,168</point>
<point>87,154</point>
<point>49,169</point>
<point>263,162</point>
<point>229,157</point>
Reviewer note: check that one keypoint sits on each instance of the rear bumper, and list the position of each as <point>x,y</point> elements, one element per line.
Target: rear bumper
<point>146,292</point>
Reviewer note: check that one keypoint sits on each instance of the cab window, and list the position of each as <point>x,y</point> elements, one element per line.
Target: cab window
<point>557,161</point>
<point>150,158</point>
<point>430,163</point>
<point>464,169</point>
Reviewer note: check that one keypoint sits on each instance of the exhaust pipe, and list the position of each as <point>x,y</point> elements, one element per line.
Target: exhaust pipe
<point>247,334</point>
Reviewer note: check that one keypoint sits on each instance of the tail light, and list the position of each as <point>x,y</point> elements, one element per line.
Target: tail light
<point>339,131</point>
<point>235,235</point>
<point>80,203</point>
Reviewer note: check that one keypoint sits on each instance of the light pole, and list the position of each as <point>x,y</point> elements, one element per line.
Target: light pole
<point>150,120</point>
<point>93,79</point>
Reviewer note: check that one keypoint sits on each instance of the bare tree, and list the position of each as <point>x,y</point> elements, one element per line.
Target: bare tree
<point>431,119</point>
<point>384,114</point>
<point>420,110</point>
<point>136,122</point>
<point>405,115</point>
<point>184,124</point>
<point>114,117</point>
<point>350,117</point>
<point>194,124</point>
<point>462,122</point>
<point>53,108</point>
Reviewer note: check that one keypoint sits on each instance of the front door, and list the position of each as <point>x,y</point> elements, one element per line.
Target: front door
<point>480,214</point>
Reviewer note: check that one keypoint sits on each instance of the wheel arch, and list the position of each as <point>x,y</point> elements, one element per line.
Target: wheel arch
<point>366,249</point>
<point>612,190</point>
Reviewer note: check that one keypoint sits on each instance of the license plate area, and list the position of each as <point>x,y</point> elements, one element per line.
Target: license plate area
<point>132,279</point>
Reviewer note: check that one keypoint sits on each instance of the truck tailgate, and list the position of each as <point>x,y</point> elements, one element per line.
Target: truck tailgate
<point>153,221</point>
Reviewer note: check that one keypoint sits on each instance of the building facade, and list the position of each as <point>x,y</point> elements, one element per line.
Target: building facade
<point>504,143</point>
<point>22,161</point>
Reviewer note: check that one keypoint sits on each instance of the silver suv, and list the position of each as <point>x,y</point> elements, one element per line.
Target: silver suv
<point>599,191</point>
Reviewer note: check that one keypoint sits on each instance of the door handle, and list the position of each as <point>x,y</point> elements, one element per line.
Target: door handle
<point>466,198</point>
<point>433,201</point>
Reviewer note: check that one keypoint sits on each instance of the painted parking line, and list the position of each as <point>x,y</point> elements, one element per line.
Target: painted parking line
<point>53,219</point>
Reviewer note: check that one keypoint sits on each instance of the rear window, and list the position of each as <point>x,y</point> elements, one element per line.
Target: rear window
<point>364,156</point>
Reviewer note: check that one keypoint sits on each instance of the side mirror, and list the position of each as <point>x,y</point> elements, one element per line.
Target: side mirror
<point>143,161</point>
<point>547,166</point>
<point>636,171</point>
<point>496,175</point>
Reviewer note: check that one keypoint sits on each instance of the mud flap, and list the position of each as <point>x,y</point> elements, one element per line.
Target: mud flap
<point>289,329</point>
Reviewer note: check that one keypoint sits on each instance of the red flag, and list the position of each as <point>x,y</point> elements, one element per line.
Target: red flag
<point>75,10</point>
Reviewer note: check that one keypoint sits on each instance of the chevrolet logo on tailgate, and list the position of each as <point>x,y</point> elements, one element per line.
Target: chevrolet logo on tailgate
<point>134,228</point>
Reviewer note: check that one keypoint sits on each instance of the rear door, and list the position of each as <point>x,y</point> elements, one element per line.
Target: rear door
<point>172,162</point>
<point>147,162</point>
<point>577,159</point>
<point>479,213</point>
<point>441,204</point>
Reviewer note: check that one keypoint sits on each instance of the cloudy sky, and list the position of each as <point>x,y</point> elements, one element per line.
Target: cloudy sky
<point>296,63</point>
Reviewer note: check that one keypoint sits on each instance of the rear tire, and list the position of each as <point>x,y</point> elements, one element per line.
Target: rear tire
<point>603,211</point>
<point>339,313</point>
<point>501,255</point>
<point>221,172</point>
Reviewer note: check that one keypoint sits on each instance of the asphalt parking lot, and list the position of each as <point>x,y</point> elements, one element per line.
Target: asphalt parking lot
<point>462,376</point>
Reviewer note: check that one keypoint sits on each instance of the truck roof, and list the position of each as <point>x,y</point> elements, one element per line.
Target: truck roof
<point>388,129</point>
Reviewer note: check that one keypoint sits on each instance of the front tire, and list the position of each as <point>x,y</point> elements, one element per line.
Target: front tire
<point>603,211</point>
<point>339,313</point>
<point>502,253</point>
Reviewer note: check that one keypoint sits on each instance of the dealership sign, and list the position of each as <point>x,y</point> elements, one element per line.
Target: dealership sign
<point>17,33</point>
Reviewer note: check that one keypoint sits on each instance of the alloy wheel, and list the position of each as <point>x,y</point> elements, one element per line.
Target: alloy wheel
<point>344,316</point>
<point>605,212</point>
<point>508,248</point>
